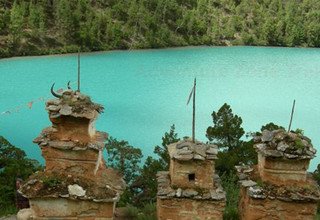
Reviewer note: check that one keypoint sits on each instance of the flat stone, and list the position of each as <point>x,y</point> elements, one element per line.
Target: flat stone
<point>172,193</point>
<point>44,143</point>
<point>306,138</point>
<point>184,152</point>
<point>212,150</point>
<point>68,92</point>
<point>304,142</point>
<point>299,151</point>
<point>165,191</point>
<point>273,153</point>
<point>206,196</point>
<point>248,183</point>
<point>79,148</point>
<point>54,115</point>
<point>66,110</point>
<point>65,145</point>
<point>183,144</point>
<point>183,157</point>
<point>313,150</point>
<point>292,136</point>
<point>286,199</point>
<point>220,190</point>
<point>260,147</point>
<point>266,136</point>
<point>280,135</point>
<point>179,192</point>
<point>89,114</point>
<point>259,196</point>
<point>291,156</point>
<point>53,108</point>
<point>53,102</point>
<point>211,157</point>
<point>217,196</point>
<point>309,153</point>
<point>201,150</point>
<point>256,192</point>
<point>242,176</point>
<point>282,146</point>
<point>189,193</point>
<point>198,157</point>
<point>76,190</point>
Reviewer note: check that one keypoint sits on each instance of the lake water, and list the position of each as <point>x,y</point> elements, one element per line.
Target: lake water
<point>145,92</point>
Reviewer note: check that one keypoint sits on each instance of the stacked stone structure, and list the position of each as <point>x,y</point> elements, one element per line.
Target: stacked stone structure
<point>279,187</point>
<point>76,184</point>
<point>191,189</point>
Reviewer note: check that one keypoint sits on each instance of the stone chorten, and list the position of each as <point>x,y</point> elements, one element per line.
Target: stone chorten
<point>279,187</point>
<point>191,189</point>
<point>76,184</point>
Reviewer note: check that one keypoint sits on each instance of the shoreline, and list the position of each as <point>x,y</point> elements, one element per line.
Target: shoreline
<point>149,49</point>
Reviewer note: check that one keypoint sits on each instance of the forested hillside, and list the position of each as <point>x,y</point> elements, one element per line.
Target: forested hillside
<point>32,27</point>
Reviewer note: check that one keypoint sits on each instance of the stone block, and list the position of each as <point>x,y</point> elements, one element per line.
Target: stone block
<point>252,209</point>
<point>74,162</point>
<point>72,128</point>
<point>189,209</point>
<point>280,171</point>
<point>192,174</point>
<point>60,208</point>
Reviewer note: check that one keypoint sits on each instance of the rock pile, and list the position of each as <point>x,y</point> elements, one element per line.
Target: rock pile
<point>289,145</point>
<point>73,103</point>
<point>187,150</point>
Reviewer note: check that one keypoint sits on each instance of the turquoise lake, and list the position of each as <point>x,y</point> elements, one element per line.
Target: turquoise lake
<point>144,92</point>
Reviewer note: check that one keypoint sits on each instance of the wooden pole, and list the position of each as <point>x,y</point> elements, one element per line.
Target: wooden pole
<point>292,111</point>
<point>79,71</point>
<point>194,110</point>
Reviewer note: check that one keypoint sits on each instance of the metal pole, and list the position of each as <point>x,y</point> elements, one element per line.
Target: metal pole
<point>194,110</point>
<point>292,111</point>
<point>79,71</point>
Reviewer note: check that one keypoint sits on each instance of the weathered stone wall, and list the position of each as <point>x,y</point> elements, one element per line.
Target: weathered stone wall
<point>71,128</point>
<point>203,171</point>
<point>74,162</point>
<point>274,209</point>
<point>281,171</point>
<point>70,209</point>
<point>189,209</point>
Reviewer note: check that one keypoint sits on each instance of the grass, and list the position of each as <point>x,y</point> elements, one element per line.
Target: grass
<point>8,210</point>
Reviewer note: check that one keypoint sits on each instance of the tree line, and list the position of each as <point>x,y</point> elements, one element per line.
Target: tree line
<point>34,27</point>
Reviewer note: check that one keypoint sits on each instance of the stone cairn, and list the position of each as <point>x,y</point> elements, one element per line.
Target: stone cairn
<point>191,189</point>
<point>76,184</point>
<point>279,187</point>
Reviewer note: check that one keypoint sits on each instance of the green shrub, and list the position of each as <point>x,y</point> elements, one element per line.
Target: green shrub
<point>131,211</point>
<point>230,185</point>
